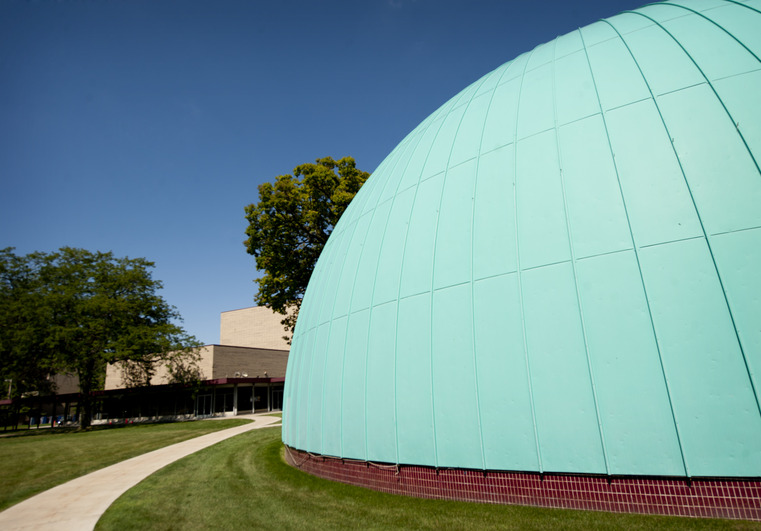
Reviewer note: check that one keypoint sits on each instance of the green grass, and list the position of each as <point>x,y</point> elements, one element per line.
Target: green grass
<point>36,460</point>
<point>243,483</point>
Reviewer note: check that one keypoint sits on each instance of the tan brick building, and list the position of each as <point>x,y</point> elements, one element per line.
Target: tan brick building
<point>257,326</point>
<point>243,374</point>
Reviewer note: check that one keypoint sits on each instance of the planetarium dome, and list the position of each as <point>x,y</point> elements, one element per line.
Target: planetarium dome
<point>558,270</point>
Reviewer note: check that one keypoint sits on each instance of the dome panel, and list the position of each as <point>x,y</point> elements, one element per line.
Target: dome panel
<point>542,230</point>
<point>578,99</point>
<point>414,395</point>
<point>417,269</point>
<point>503,382</point>
<point>703,364</point>
<point>364,283</point>
<point>499,129</point>
<point>455,387</point>
<point>352,390</point>
<point>716,52</point>
<point>468,140</point>
<point>736,94</point>
<point>707,144</point>
<point>536,105</point>
<point>655,193</point>
<point>421,142</point>
<point>638,424</point>
<point>494,215</point>
<point>564,401</point>
<point>617,77</point>
<point>380,423</point>
<point>596,214</point>
<point>332,378</point>
<point>568,44</point>
<point>392,253</point>
<point>737,257</point>
<point>342,304</point>
<point>741,25</point>
<point>662,61</point>
<point>437,159</point>
<point>452,260</point>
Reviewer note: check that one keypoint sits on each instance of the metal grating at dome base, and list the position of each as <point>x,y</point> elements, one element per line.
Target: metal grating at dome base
<point>558,270</point>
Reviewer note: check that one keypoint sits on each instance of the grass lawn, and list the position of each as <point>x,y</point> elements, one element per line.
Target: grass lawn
<point>36,460</point>
<point>243,483</point>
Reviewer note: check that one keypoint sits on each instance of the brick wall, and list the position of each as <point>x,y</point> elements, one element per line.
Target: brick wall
<point>252,361</point>
<point>252,327</point>
<point>735,499</point>
<point>114,379</point>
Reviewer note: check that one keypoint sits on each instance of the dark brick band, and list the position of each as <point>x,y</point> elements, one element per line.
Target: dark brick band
<point>709,498</point>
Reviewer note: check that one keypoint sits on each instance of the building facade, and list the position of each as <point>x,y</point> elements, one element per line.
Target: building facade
<point>246,375</point>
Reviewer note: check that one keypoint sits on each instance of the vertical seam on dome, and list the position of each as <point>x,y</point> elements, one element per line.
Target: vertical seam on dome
<point>327,343</point>
<point>372,298</point>
<point>518,268</point>
<point>316,328</point>
<point>346,338</point>
<point>472,274</point>
<point>744,5</point>
<point>308,374</point>
<point>698,13</point>
<point>579,303</point>
<point>398,301</point>
<point>312,364</point>
<point>689,188</point>
<point>433,268</point>
<point>370,307</point>
<point>330,329</point>
<point>401,276</point>
<point>636,257</point>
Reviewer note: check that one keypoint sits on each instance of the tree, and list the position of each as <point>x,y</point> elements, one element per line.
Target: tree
<point>290,225</point>
<point>24,362</point>
<point>85,310</point>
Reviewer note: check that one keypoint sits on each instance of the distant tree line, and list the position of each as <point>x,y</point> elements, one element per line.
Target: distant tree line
<point>74,311</point>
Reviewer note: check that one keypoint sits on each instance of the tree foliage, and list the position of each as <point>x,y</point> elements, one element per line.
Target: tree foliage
<point>24,359</point>
<point>290,225</point>
<point>75,311</point>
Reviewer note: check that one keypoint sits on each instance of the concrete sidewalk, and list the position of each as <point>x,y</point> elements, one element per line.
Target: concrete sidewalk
<point>78,504</point>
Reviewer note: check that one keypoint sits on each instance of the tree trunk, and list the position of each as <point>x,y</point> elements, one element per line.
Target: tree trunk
<point>85,395</point>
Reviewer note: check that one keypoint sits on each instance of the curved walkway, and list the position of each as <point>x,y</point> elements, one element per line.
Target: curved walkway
<point>78,504</point>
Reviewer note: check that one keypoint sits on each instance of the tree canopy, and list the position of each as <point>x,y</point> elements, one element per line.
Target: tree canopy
<point>75,311</point>
<point>290,225</point>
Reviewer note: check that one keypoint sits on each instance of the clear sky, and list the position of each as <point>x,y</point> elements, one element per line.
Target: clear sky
<point>144,127</point>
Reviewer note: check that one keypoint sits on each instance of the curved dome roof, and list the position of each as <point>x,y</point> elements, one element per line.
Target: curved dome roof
<point>558,270</point>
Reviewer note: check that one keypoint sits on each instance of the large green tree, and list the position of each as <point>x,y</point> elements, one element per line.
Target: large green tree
<point>290,225</point>
<point>75,311</point>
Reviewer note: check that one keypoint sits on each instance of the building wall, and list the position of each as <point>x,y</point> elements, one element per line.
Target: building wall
<point>252,344</point>
<point>219,361</point>
<point>65,383</point>
<point>257,326</point>
<point>115,380</point>
<point>254,362</point>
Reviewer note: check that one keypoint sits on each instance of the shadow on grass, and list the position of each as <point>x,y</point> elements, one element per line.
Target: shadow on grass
<point>243,483</point>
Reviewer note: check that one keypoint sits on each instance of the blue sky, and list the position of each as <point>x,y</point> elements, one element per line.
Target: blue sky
<point>145,127</point>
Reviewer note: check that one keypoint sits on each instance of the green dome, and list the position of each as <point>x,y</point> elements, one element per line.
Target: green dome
<point>558,270</point>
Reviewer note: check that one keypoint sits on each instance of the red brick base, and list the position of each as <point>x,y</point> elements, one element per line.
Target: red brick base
<point>714,498</point>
